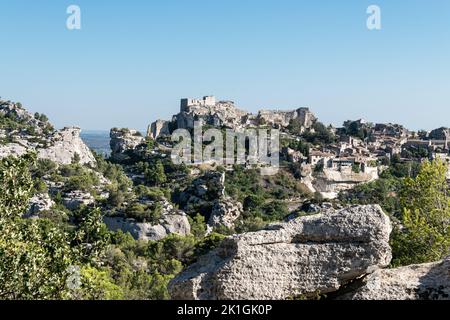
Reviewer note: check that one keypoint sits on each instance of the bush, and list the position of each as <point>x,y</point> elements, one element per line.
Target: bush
<point>155,174</point>
<point>425,202</point>
<point>145,213</point>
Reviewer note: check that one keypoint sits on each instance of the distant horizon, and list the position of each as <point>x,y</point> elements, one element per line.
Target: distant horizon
<point>130,62</point>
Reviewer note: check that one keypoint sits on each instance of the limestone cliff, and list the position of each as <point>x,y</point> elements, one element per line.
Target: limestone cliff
<point>23,132</point>
<point>124,140</point>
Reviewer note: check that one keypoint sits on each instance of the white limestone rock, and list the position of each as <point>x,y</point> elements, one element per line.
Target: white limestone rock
<point>172,221</point>
<point>429,281</point>
<point>12,149</point>
<point>305,256</point>
<point>123,140</point>
<point>74,199</point>
<point>39,203</point>
<point>65,144</point>
<point>225,212</point>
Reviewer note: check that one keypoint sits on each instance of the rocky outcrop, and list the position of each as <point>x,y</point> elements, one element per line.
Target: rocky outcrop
<point>223,113</point>
<point>226,114</point>
<point>225,212</point>
<point>74,199</point>
<point>305,256</point>
<point>16,113</point>
<point>440,134</point>
<point>159,128</point>
<point>330,182</point>
<point>172,221</point>
<point>123,140</point>
<point>33,133</point>
<point>203,190</point>
<point>206,195</point>
<point>12,149</point>
<point>430,281</point>
<point>65,146</point>
<point>282,119</point>
<point>38,204</point>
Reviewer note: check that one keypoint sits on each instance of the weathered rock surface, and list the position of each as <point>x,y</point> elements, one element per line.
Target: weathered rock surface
<point>204,189</point>
<point>39,203</point>
<point>12,149</point>
<point>282,119</point>
<point>206,194</point>
<point>223,113</point>
<point>225,212</point>
<point>74,199</point>
<point>226,114</point>
<point>313,254</point>
<point>123,140</point>
<point>330,182</point>
<point>159,128</point>
<point>172,221</point>
<point>17,113</point>
<point>35,133</point>
<point>430,281</point>
<point>65,144</point>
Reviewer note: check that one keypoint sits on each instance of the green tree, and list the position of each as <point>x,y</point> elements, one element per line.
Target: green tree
<point>155,174</point>
<point>97,285</point>
<point>34,255</point>
<point>91,237</point>
<point>425,217</point>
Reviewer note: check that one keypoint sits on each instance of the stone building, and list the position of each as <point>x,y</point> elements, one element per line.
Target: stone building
<point>206,101</point>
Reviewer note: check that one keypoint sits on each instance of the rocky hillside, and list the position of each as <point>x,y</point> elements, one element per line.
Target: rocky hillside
<point>338,253</point>
<point>338,220</point>
<point>22,132</point>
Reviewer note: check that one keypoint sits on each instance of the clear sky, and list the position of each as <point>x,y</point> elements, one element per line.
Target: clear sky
<point>133,60</point>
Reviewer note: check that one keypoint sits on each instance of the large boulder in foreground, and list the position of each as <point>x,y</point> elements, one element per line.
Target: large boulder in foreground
<point>430,281</point>
<point>306,256</point>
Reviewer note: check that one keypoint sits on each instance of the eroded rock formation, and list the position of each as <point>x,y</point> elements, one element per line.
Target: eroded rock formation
<point>429,281</point>
<point>34,133</point>
<point>123,140</point>
<point>226,114</point>
<point>65,145</point>
<point>302,257</point>
<point>171,221</point>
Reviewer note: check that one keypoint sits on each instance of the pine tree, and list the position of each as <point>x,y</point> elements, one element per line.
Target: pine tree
<point>425,202</point>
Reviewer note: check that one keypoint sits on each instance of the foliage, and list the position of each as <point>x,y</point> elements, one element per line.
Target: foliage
<point>357,129</point>
<point>16,184</point>
<point>97,284</point>
<point>401,169</point>
<point>91,237</point>
<point>36,255</point>
<point>319,135</point>
<point>425,202</point>
<point>155,174</point>
<point>383,191</point>
<point>356,168</point>
<point>145,212</point>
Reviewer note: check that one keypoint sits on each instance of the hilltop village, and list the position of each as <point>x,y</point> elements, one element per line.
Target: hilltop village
<point>330,159</point>
<point>333,222</point>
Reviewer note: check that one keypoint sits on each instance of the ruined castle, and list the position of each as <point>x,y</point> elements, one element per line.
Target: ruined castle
<point>224,113</point>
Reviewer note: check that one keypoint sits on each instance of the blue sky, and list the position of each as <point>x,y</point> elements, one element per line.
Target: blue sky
<point>133,60</point>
